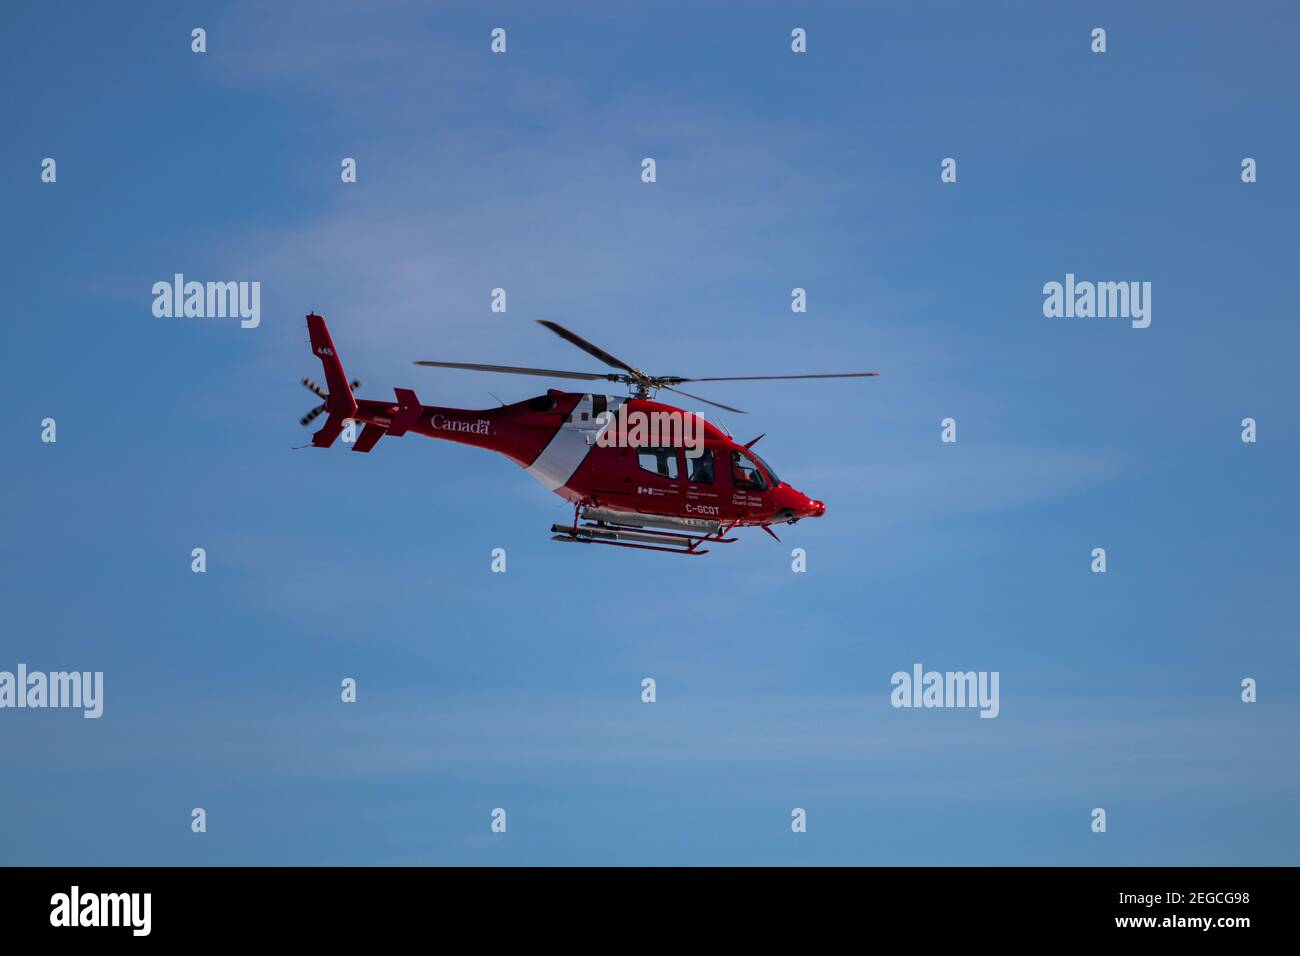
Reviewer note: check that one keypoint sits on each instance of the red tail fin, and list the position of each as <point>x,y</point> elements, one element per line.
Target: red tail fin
<point>340,404</point>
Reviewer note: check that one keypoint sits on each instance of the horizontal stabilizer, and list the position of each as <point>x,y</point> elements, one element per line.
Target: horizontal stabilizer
<point>370,435</point>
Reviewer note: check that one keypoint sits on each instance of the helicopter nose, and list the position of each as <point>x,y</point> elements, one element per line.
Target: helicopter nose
<point>817,508</point>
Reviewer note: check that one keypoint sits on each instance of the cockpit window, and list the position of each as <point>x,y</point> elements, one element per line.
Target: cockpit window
<point>768,468</point>
<point>700,470</point>
<point>658,461</point>
<point>746,474</point>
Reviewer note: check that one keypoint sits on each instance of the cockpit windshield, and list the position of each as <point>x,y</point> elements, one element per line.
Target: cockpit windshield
<point>746,474</point>
<point>767,468</point>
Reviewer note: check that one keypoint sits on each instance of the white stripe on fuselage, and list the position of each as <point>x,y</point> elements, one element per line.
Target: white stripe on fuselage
<point>572,443</point>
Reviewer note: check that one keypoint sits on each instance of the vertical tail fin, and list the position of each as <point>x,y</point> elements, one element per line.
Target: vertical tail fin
<point>340,403</point>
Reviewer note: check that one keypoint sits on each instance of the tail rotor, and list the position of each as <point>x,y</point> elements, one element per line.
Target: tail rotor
<point>323,395</point>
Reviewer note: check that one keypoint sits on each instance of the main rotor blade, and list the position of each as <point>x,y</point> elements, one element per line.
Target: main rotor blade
<point>768,378</point>
<point>516,370</point>
<point>706,401</point>
<point>590,349</point>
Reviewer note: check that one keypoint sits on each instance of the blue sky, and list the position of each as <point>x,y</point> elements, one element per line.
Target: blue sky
<point>522,690</point>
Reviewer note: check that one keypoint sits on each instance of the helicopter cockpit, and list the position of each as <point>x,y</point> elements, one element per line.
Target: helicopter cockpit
<point>751,472</point>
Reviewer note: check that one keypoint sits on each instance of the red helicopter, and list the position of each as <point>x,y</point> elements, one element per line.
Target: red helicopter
<point>639,473</point>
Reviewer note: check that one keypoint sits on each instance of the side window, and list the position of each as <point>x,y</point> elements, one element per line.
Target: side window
<point>700,470</point>
<point>745,474</point>
<point>658,461</point>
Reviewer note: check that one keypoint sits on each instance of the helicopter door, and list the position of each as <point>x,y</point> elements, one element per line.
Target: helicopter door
<point>658,477</point>
<point>704,489</point>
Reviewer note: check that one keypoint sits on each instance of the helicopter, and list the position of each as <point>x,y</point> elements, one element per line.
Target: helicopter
<point>639,473</point>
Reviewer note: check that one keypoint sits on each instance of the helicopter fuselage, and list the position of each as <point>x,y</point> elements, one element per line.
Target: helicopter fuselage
<point>581,447</point>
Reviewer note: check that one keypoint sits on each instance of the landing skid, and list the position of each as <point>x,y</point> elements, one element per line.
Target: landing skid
<point>643,539</point>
